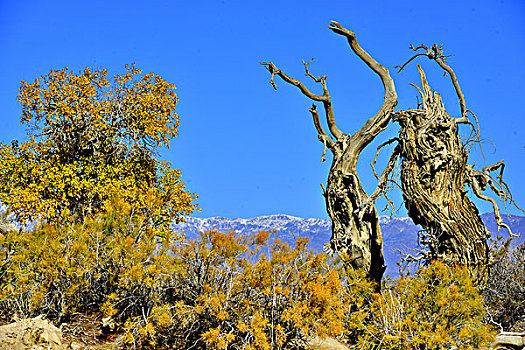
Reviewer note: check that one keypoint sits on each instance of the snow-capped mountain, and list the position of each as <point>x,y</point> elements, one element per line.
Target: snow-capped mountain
<point>280,222</point>
<point>399,234</point>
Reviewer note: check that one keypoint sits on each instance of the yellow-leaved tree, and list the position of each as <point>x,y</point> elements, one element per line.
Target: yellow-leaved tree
<point>101,200</point>
<point>93,138</point>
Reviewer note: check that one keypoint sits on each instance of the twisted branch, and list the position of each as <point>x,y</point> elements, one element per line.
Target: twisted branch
<point>479,180</point>
<point>380,120</point>
<point>323,137</point>
<point>381,188</point>
<point>436,53</point>
<point>324,98</point>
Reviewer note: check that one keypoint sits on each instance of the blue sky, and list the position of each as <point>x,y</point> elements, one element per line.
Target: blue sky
<point>246,149</point>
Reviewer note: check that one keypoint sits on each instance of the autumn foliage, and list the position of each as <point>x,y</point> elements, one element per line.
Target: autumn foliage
<point>102,243</point>
<point>92,138</point>
<point>224,291</point>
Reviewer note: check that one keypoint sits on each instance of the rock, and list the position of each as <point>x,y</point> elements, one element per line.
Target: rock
<point>75,346</point>
<point>509,340</point>
<point>328,343</point>
<point>34,334</point>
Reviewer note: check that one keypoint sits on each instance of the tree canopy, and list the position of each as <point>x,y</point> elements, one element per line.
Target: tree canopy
<point>92,138</point>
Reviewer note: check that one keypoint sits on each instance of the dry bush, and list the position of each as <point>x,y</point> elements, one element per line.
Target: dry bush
<point>221,291</point>
<point>224,291</point>
<point>59,270</point>
<point>247,293</point>
<point>437,308</point>
<point>505,292</point>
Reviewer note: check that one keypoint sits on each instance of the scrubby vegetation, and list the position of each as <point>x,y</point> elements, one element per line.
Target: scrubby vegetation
<point>505,292</point>
<point>102,245</point>
<point>224,291</point>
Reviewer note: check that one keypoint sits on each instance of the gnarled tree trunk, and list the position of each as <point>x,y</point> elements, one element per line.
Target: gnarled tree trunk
<point>434,172</point>
<point>357,239</point>
<point>356,236</point>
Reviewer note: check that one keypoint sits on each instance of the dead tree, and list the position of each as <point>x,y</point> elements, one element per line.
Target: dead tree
<point>434,175</point>
<point>356,236</point>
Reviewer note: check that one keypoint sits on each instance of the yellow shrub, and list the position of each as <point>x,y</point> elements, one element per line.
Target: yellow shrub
<point>224,291</point>
<point>437,308</point>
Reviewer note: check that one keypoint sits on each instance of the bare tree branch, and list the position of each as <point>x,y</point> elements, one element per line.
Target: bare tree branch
<point>436,53</point>
<point>308,74</point>
<point>319,128</point>
<point>380,120</point>
<point>274,71</point>
<point>323,137</point>
<point>381,186</point>
<point>478,181</point>
<point>329,111</point>
<point>324,98</point>
<point>377,153</point>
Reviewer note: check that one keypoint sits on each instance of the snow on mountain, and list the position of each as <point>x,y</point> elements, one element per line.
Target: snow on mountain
<point>282,223</point>
<point>399,234</point>
<point>396,231</point>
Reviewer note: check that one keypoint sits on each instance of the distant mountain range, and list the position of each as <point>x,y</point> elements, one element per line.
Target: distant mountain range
<point>399,234</point>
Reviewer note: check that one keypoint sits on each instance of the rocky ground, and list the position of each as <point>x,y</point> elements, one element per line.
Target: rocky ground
<point>39,334</point>
<point>84,333</point>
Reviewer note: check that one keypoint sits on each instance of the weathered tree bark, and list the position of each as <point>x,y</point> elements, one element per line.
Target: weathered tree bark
<point>434,173</point>
<point>356,235</point>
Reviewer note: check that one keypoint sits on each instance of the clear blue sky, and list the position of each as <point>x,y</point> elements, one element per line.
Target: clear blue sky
<point>246,149</point>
